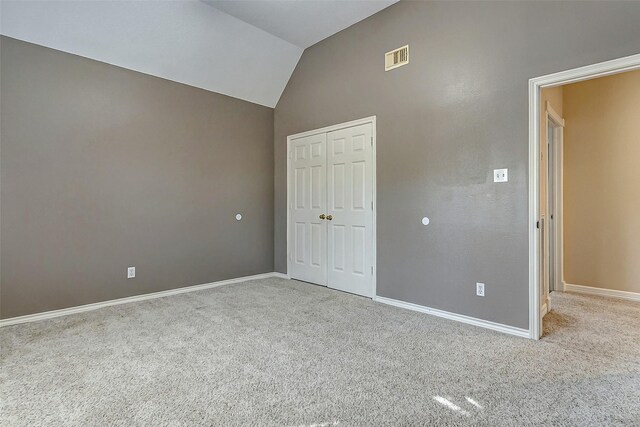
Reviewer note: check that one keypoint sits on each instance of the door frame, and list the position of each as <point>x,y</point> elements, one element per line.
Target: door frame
<point>554,118</point>
<point>365,120</point>
<point>536,84</point>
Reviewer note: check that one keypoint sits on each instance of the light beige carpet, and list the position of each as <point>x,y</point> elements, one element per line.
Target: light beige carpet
<point>284,353</point>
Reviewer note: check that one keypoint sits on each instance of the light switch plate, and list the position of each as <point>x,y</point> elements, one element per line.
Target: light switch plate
<point>131,272</point>
<point>500,175</point>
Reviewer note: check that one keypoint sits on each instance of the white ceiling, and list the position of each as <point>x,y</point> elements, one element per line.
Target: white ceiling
<point>184,41</point>
<point>188,41</point>
<point>301,22</point>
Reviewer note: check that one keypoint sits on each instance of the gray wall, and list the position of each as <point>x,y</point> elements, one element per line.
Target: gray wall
<point>104,168</point>
<point>445,121</point>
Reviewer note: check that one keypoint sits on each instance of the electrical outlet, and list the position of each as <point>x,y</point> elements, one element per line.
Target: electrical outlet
<point>480,289</point>
<point>131,272</point>
<point>500,175</point>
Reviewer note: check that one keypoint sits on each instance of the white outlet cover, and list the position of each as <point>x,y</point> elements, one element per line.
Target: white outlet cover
<point>131,272</point>
<point>500,175</point>
<point>238,217</point>
<point>480,289</point>
<point>425,221</point>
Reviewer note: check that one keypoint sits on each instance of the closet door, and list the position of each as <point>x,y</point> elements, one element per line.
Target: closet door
<point>350,210</point>
<point>308,203</point>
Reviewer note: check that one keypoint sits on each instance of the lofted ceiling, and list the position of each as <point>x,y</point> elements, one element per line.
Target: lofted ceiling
<point>301,22</point>
<point>244,49</point>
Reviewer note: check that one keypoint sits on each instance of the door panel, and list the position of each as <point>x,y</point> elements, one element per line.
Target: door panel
<point>337,238</point>
<point>359,251</point>
<point>350,195</point>
<point>300,242</point>
<point>299,187</point>
<point>308,257</point>
<point>358,196</point>
<point>337,198</point>
<point>317,187</point>
<point>317,239</point>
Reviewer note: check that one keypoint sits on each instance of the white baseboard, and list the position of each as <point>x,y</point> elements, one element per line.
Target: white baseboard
<point>612,293</point>
<point>281,275</point>
<point>457,317</point>
<point>88,307</point>
<point>544,309</point>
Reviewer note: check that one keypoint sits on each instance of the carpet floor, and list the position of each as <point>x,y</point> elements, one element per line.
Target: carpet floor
<point>274,352</point>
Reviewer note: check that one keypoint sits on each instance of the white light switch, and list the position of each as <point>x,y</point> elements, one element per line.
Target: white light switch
<point>500,175</point>
<point>131,272</point>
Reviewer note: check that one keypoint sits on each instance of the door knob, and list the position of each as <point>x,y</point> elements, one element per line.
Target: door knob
<point>322,216</point>
<point>329,217</point>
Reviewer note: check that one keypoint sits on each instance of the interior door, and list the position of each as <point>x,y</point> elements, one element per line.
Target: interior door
<point>308,199</point>
<point>551,200</point>
<point>350,209</point>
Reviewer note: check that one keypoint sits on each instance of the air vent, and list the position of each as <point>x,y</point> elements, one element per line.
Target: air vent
<point>396,58</point>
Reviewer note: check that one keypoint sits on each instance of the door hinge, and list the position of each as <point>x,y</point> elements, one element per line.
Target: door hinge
<point>371,205</point>
<point>372,270</point>
<point>537,224</point>
<point>372,141</point>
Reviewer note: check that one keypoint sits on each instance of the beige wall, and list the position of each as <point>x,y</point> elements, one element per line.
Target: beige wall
<point>602,182</point>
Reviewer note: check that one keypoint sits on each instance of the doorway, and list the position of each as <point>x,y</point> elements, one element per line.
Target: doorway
<point>545,235</point>
<point>331,207</point>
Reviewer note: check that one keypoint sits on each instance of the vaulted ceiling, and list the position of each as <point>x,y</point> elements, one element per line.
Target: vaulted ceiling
<point>244,49</point>
<point>301,22</point>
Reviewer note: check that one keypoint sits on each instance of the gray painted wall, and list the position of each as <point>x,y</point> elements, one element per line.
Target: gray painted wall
<point>445,121</point>
<point>104,168</point>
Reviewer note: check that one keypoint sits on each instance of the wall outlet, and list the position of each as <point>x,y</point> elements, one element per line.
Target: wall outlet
<point>480,289</point>
<point>131,272</point>
<point>500,175</point>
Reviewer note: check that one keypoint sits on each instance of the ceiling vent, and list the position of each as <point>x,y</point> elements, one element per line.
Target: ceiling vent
<point>396,58</point>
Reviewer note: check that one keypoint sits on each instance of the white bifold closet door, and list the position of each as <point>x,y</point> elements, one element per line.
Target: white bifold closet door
<point>308,199</point>
<point>350,204</point>
<point>331,211</point>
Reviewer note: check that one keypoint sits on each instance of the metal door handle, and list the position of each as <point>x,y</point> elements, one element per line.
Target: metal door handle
<point>329,217</point>
<point>322,216</point>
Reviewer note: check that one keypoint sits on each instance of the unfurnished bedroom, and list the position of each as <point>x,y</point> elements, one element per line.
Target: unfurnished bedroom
<point>319,213</point>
